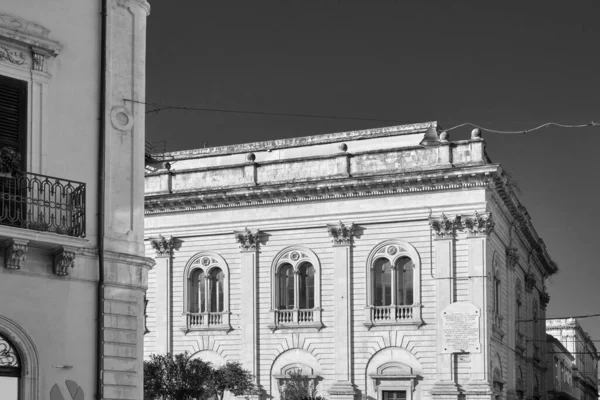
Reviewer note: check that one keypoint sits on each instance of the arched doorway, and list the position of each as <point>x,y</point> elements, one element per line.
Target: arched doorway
<point>10,370</point>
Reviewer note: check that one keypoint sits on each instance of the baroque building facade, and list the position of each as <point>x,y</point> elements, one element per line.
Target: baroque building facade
<point>386,263</point>
<point>577,377</point>
<point>73,269</point>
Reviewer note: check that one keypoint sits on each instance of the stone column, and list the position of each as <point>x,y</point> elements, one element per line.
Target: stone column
<point>512,259</point>
<point>444,231</point>
<point>163,247</point>
<point>249,243</point>
<point>478,228</point>
<point>342,388</point>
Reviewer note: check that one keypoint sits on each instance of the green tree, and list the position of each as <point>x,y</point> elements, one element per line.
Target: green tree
<point>298,387</point>
<point>230,377</point>
<point>175,377</point>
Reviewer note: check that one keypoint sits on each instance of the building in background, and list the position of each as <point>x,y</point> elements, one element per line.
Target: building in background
<point>73,272</point>
<point>559,377</point>
<point>384,264</point>
<point>584,369</point>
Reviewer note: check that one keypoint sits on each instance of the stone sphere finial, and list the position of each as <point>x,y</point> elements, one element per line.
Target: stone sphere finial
<point>250,157</point>
<point>476,133</point>
<point>444,136</point>
<point>343,147</point>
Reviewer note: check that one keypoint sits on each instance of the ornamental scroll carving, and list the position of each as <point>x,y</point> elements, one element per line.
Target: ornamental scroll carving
<point>444,226</point>
<point>63,260</point>
<point>162,245</point>
<point>12,56</point>
<point>15,253</point>
<point>248,239</point>
<point>341,234</point>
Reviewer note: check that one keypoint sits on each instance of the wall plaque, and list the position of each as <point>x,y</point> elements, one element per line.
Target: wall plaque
<point>460,328</point>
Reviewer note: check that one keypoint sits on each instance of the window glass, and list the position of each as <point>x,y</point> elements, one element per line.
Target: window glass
<point>197,295</point>
<point>382,282</point>
<point>286,287</point>
<point>404,281</point>
<point>216,290</point>
<point>10,370</point>
<point>394,395</point>
<point>307,286</point>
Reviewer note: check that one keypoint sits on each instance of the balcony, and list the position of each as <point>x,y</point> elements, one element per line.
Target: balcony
<point>208,321</point>
<point>394,314</point>
<point>296,318</point>
<point>42,203</point>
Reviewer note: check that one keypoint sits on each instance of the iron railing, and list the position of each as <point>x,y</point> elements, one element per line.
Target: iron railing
<point>42,203</point>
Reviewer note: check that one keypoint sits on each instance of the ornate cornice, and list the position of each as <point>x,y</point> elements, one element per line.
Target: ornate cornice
<point>14,253</point>
<point>162,245</point>
<point>340,233</point>
<point>63,260</point>
<point>248,240</point>
<point>28,34</point>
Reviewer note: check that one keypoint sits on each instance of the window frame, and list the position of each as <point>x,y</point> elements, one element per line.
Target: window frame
<point>393,250</point>
<point>295,318</point>
<point>205,320</point>
<point>28,358</point>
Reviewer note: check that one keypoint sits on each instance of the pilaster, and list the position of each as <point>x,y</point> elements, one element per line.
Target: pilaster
<point>342,388</point>
<point>163,247</point>
<point>444,230</point>
<point>249,246</point>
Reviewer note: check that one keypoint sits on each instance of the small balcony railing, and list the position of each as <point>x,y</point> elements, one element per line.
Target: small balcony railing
<point>392,313</point>
<point>289,318</point>
<point>42,203</point>
<point>207,319</point>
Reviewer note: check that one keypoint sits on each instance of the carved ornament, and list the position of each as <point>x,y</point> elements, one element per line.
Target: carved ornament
<point>479,224</point>
<point>512,257</point>
<point>529,281</point>
<point>162,245</point>
<point>341,234</point>
<point>544,298</point>
<point>444,227</point>
<point>12,56</point>
<point>63,260</point>
<point>15,253</point>
<point>248,240</point>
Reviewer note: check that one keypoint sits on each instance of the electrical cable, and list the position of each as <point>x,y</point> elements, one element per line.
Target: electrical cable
<point>545,125</point>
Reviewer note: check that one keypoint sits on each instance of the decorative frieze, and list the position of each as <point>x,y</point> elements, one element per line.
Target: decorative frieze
<point>162,245</point>
<point>444,226</point>
<point>248,240</point>
<point>341,234</point>
<point>63,260</point>
<point>479,224</point>
<point>14,253</point>
<point>512,257</point>
<point>12,56</point>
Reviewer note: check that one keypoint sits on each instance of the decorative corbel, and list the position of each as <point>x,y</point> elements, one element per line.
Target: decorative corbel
<point>341,234</point>
<point>14,253</point>
<point>247,239</point>
<point>445,227</point>
<point>544,298</point>
<point>64,258</point>
<point>162,245</point>
<point>529,281</point>
<point>512,257</point>
<point>480,224</point>
<point>38,60</point>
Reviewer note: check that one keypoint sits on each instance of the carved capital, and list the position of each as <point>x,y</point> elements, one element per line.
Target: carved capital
<point>14,253</point>
<point>512,257</point>
<point>63,260</point>
<point>529,281</point>
<point>162,245</point>
<point>479,224</point>
<point>445,227</point>
<point>248,240</point>
<point>341,234</point>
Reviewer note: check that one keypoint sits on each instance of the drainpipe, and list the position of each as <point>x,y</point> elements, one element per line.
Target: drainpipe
<point>101,205</point>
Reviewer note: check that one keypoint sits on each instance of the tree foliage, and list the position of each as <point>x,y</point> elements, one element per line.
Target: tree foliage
<point>177,377</point>
<point>298,387</point>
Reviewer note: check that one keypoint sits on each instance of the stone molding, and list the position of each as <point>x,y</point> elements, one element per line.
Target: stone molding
<point>64,259</point>
<point>162,245</point>
<point>14,253</point>
<point>341,234</point>
<point>248,239</point>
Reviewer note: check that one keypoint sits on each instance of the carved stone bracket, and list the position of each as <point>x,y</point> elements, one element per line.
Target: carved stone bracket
<point>529,281</point>
<point>64,259</point>
<point>512,257</point>
<point>544,298</point>
<point>480,224</point>
<point>162,245</point>
<point>14,253</point>
<point>444,226</point>
<point>38,61</point>
<point>248,240</point>
<point>341,234</point>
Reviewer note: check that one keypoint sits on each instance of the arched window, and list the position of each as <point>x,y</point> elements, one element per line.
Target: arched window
<point>296,289</point>
<point>207,300</point>
<point>393,284</point>
<point>10,370</point>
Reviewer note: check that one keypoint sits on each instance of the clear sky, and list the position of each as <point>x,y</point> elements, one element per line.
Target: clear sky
<point>503,65</point>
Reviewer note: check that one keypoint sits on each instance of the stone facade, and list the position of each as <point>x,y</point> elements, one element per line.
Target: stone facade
<point>583,357</point>
<point>72,295</point>
<point>374,265</point>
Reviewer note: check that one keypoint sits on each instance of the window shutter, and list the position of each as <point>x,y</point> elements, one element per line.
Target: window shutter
<point>13,115</point>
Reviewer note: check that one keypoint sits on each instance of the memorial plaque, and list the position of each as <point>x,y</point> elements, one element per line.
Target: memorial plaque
<point>460,328</point>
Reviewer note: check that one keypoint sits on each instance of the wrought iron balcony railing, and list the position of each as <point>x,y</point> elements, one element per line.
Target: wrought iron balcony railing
<point>42,203</point>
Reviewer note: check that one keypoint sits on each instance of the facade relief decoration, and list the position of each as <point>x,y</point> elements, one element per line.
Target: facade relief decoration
<point>444,227</point>
<point>162,245</point>
<point>12,56</point>
<point>529,281</point>
<point>544,298</point>
<point>512,257</point>
<point>247,239</point>
<point>14,253</point>
<point>475,225</point>
<point>341,233</point>
<point>63,260</point>
<point>479,224</point>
